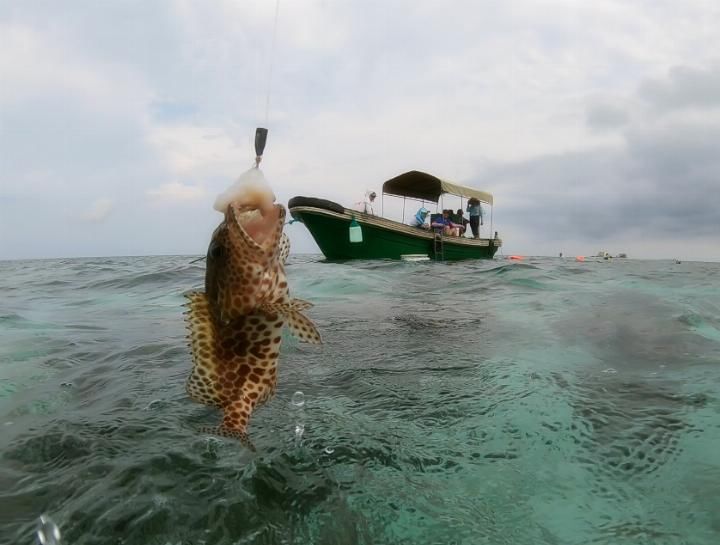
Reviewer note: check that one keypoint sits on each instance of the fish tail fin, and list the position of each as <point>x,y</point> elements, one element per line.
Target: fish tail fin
<point>235,420</point>
<point>222,431</point>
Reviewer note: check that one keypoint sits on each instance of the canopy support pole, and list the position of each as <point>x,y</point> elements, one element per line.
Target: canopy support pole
<point>491,220</point>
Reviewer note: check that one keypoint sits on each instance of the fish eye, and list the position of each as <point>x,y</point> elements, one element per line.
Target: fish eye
<point>216,251</point>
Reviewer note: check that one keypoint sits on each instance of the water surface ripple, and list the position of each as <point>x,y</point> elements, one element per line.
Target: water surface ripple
<point>542,402</point>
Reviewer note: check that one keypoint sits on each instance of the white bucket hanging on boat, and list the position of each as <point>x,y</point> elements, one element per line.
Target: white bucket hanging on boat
<point>355,231</point>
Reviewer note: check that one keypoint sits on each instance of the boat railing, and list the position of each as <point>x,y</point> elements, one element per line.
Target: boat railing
<point>439,206</point>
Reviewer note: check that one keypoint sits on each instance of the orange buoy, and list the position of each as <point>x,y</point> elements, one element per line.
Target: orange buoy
<point>516,257</point>
<point>580,258</point>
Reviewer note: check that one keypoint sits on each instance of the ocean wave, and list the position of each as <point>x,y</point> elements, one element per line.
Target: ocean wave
<point>469,402</point>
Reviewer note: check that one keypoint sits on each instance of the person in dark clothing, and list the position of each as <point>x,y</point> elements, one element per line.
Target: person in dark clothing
<point>475,212</point>
<point>461,221</point>
<point>445,225</point>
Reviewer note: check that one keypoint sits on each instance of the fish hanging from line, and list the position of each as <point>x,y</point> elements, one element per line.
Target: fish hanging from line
<point>236,324</point>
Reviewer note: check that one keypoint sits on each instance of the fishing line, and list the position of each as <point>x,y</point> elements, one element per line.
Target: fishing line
<point>272,62</point>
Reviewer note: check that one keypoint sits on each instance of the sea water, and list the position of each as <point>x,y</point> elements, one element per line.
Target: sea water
<point>538,402</point>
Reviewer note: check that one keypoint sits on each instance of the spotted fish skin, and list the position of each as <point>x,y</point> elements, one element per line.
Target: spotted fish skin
<point>236,324</point>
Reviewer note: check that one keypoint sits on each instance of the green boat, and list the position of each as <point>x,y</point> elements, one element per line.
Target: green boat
<point>329,223</point>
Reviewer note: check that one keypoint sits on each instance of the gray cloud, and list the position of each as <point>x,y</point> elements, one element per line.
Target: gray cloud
<point>155,105</point>
<point>606,115</point>
<point>663,182</point>
<point>98,211</point>
<point>686,87</point>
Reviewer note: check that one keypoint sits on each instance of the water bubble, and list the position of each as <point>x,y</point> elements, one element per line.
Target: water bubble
<point>47,531</point>
<point>159,500</point>
<point>298,399</point>
<point>213,445</point>
<point>299,430</point>
<point>610,371</point>
<point>329,450</point>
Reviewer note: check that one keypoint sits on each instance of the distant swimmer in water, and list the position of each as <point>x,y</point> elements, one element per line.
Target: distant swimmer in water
<point>236,324</point>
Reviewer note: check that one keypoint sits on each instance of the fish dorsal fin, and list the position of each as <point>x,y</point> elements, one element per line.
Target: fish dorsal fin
<point>300,325</point>
<point>201,384</point>
<point>284,248</point>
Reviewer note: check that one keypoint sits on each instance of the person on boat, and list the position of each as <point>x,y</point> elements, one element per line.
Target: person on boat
<point>461,221</point>
<point>445,224</point>
<point>366,206</point>
<point>475,212</point>
<point>420,219</point>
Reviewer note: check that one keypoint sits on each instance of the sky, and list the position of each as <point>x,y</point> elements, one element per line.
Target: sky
<point>595,124</point>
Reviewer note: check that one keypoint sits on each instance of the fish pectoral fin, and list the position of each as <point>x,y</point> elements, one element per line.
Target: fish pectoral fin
<point>285,308</point>
<point>302,327</point>
<point>300,304</point>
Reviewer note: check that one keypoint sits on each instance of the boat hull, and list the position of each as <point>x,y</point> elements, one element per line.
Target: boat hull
<point>383,238</point>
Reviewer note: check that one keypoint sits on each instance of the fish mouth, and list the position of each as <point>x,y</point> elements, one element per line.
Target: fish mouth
<point>260,226</point>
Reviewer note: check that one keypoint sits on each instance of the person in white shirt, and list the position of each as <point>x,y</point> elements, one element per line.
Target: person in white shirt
<point>366,206</point>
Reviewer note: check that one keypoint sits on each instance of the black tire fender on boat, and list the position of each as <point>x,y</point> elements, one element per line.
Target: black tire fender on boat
<point>316,203</point>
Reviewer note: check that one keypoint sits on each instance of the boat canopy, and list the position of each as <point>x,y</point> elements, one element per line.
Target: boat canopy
<point>420,185</point>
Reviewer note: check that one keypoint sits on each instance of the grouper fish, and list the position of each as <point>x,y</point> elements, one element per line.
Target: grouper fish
<point>236,324</point>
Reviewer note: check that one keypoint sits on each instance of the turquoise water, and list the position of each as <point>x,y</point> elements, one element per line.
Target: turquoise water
<point>542,402</point>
